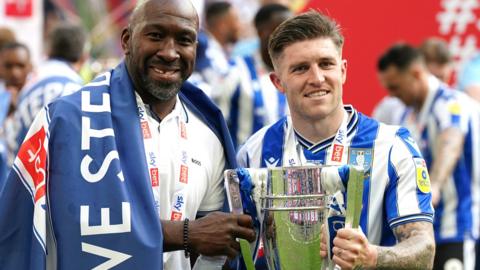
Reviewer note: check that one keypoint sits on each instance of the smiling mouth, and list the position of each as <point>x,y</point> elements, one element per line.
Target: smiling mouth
<point>165,71</point>
<point>320,93</point>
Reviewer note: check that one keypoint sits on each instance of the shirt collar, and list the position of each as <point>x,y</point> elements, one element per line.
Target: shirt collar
<point>321,145</point>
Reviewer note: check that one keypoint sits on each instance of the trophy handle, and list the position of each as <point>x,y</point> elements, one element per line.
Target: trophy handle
<point>232,187</point>
<point>352,212</point>
<point>354,197</point>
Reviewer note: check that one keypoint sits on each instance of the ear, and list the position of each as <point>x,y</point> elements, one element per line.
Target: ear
<point>416,70</point>
<point>344,70</point>
<point>125,40</point>
<point>277,82</point>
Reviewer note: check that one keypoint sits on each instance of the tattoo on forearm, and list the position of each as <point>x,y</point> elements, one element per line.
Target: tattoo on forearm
<point>415,248</point>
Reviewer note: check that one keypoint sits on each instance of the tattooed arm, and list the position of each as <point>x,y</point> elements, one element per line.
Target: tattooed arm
<point>447,150</point>
<point>415,248</point>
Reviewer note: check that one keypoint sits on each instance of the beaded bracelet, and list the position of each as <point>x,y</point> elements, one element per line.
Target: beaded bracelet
<point>185,238</point>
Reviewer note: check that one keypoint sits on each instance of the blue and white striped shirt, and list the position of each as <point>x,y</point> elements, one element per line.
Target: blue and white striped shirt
<point>457,214</point>
<point>397,190</point>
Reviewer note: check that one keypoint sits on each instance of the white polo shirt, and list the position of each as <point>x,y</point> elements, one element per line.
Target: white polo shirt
<point>186,162</point>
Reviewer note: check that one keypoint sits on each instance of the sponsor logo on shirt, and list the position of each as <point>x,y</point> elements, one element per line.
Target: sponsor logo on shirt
<point>196,162</point>
<point>178,203</point>
<point>337,152</point>
<point>145,130</point>
<point>176,216</point>
<point>184,157</point>
<point>340,136</point>
<point>423,180</point>
<point>153,159</point>
<point>177,207</point>
<point>141,112</point>
<point>183,174</point>
<point>154,177</point>
<point>454,108</point>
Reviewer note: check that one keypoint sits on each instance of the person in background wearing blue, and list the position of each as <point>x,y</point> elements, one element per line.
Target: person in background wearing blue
<point>15,66</point>
<point>445,123</point>
<point>57,76</point>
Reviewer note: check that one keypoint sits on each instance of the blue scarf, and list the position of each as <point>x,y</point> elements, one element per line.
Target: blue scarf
<point>89,195</point>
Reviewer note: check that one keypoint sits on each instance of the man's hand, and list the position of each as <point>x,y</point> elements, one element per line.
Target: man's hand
<point>216,233</point>
<point>351,250</point>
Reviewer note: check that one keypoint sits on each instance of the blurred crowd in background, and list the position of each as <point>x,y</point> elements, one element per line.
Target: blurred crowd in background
<point>79,39</point>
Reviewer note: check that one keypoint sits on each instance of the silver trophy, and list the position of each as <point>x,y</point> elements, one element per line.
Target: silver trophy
<point>291,204</point>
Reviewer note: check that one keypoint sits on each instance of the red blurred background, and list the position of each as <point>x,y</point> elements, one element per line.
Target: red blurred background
<point>370,27</point>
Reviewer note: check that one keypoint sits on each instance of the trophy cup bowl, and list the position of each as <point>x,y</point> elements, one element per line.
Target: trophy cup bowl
<point>293,207</point>
<point>291,204</point>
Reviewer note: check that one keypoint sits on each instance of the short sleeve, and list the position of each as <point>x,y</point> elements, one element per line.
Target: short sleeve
<point>407,197</point>
<point>451,113</point>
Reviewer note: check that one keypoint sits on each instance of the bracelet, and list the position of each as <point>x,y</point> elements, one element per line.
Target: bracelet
<point>185,238</point>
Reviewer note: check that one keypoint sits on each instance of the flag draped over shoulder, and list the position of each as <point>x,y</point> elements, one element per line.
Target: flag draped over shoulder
<point>79,194</point>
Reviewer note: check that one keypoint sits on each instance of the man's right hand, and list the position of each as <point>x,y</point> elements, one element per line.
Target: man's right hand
<point>216,233</point>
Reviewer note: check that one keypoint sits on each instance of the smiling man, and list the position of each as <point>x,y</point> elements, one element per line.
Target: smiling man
<point>127,172</point>
<point>396,219</point>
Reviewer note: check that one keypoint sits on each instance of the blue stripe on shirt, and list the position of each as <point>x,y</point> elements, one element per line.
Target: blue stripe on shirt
<point>367,131</point>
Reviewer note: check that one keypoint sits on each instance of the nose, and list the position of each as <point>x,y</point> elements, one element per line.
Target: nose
<point>17,72</point>
<point>168,50</point>
<point>316,75</point>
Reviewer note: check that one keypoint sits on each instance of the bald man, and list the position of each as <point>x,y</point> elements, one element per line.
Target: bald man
<point>134,178</point>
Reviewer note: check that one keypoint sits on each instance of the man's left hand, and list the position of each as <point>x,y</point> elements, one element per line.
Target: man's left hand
<point>351,250</point>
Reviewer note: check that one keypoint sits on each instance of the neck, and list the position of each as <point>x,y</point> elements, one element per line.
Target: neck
<point>163,108</point>
<point>218,37</point>
<point>160,107</point>
<point>422,94</point>
<point>320,129</point>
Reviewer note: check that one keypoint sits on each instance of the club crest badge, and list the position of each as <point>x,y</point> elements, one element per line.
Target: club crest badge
<point>361,157</point>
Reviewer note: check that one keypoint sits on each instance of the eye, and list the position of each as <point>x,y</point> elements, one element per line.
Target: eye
<point>326,64</point>
<point>186,40</point>
<point>155,36</point>
<point>300,68</point>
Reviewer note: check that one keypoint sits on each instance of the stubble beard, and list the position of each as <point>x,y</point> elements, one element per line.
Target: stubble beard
<point>162,91</point>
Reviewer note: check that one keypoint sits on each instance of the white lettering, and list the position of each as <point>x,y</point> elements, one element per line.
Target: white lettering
<point>95,177</point>
<point>87,133</point>
<point>115,257</point>
<point>105,227</point>
<point>88,107</point>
